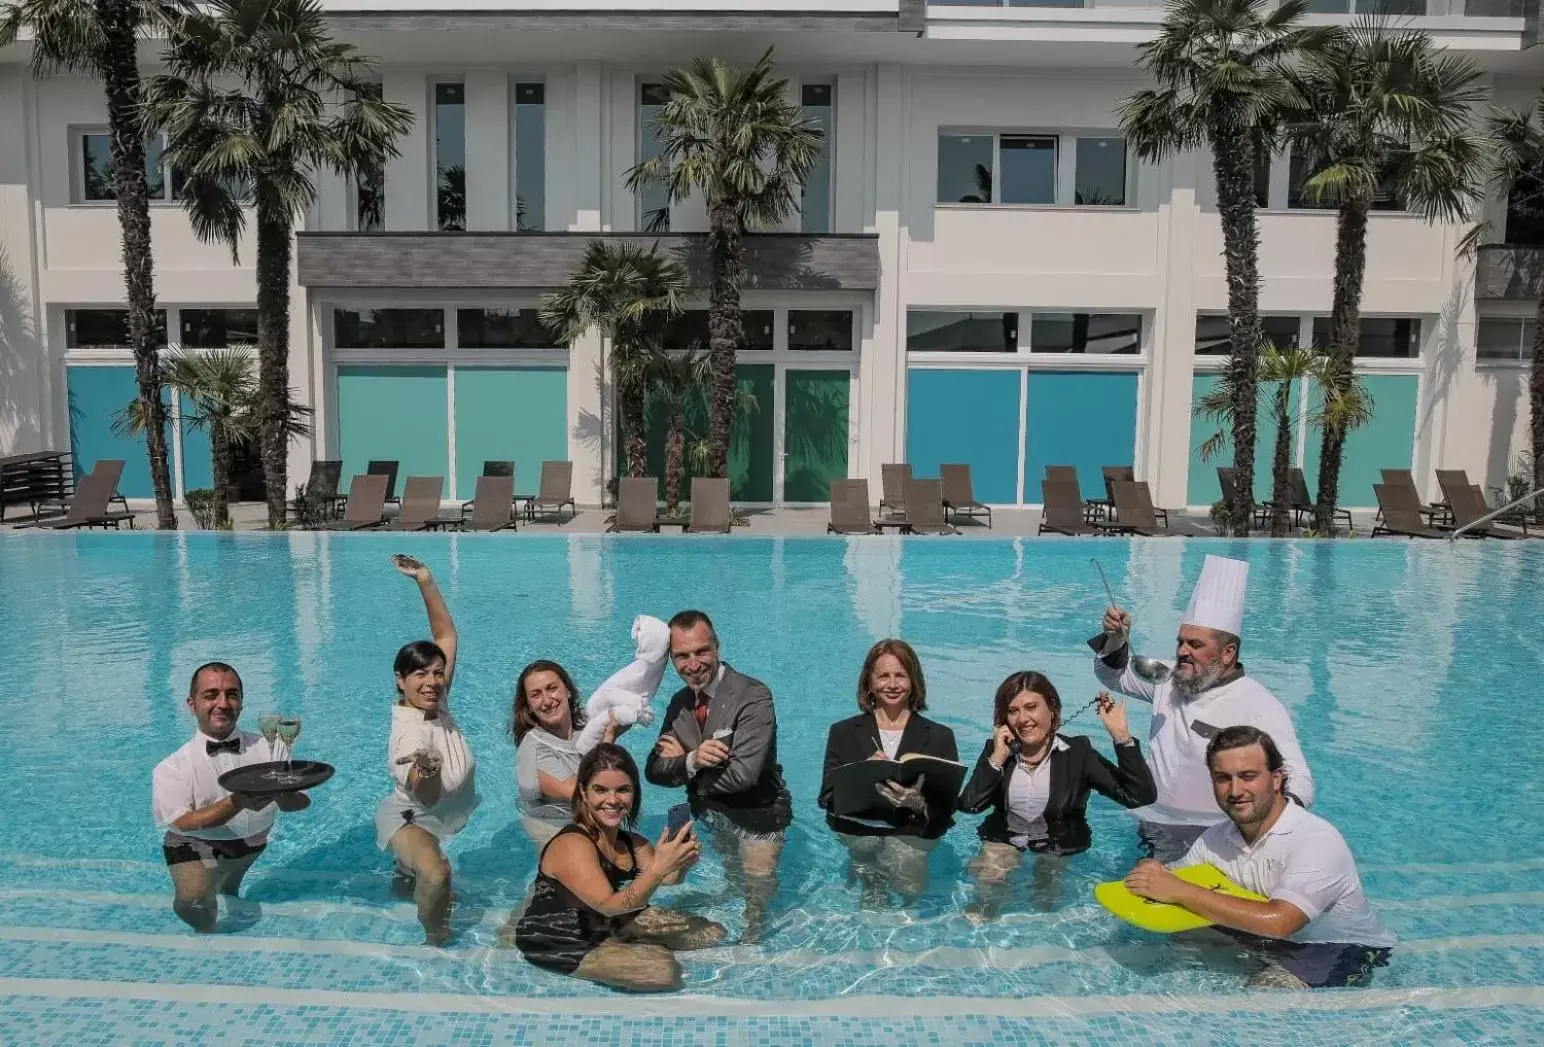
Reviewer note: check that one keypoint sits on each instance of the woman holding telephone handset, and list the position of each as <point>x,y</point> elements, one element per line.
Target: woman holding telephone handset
<point>1037,782</point>
<point>589,914</point>
<point>436,790</point>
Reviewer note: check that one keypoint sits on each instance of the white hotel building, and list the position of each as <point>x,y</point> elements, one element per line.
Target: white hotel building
<point>982,272</point>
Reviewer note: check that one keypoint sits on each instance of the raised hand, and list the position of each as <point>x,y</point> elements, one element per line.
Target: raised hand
<point>1002,744</point>
<point>1113,715</point>
<point>907,798</point>
<point>1116,622</point>
<point>414,569</point>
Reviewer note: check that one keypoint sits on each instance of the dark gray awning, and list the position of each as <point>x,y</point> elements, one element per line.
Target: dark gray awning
<point>776,261</point>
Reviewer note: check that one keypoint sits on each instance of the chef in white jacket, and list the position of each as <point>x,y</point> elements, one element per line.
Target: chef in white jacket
<point>1208,690</point>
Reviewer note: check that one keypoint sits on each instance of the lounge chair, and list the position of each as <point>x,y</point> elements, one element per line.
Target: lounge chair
<point>89,507</point>
<point>850,508</point>
<point>894,476</point>
<point>637,504</point>
<point>1401,514</point>
<point>1133,510</point>
<point>493,508</point>
<point>960,495</point>
<point>1455,484</point>
<point>388,469</point>
<point>1062,509</point>
<point>556,491</point>
<point>420,505</point>
<point>1469,507</point>
<point>366,504</point>
<point>925,508</point>
<point>322,485</point>
<point>1114,474</point>
<point>112,468</point>
<point>1302,503</point>
<point>1436,512</point>
<point>710,506</point>
<point>1228,482</point>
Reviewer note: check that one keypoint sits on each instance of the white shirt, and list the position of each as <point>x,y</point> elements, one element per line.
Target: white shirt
<point>890,741</point>
<point>1304,861</point>
<point>1181,727</point>
<point>189,779</point>
<point>410,732</point>
<point>1028,793</point>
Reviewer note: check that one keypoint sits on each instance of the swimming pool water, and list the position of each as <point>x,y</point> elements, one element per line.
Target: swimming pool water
<point>1410,670</point>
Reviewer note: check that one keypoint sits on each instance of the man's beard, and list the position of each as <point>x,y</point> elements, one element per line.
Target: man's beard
<point>1201,680</point>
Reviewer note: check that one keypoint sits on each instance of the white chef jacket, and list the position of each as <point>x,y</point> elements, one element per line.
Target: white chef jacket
<point>1304,861</point>
<point>190,778</point>
<point>1182,726</point>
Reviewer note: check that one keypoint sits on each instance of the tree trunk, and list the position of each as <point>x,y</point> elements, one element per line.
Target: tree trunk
<point>675,450</point>
<point>1345,331</point>
<point>1281,463</point>
<point>632,398</point>
<point>1233,167</point>
<point>726,330</point>
<point>1536,399</point>
<point>221,463</point>
<point>273,387</point>
<point>119,67</point>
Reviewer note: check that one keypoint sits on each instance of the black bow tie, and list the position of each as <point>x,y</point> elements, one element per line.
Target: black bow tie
<point>230,745</point>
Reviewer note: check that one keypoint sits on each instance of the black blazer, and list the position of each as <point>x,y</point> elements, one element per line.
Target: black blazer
<point>857,738</point>
<point>1074,772</point>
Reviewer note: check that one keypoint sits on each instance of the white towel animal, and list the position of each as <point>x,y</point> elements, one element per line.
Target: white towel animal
<point>626,694</point>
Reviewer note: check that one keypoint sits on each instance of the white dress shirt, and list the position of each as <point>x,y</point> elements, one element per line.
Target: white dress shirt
<point>1028,794</point>
<point>189,779</point>
<point>410,732</point>
<point>1304,861</point>
<point>1180,729</point>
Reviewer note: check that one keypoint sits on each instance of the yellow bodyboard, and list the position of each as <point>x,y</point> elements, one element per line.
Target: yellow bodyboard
<point>1161,916</point>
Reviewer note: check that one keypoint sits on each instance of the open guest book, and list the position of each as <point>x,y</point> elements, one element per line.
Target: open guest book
<point>855,786</point>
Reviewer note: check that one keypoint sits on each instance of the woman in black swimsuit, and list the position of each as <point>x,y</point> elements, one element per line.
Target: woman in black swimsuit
<point>589,914</point>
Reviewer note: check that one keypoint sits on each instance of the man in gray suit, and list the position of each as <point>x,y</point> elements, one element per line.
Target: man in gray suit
<point>719,739</point>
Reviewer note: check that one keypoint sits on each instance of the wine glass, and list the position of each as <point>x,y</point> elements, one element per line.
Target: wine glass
<point>288,729</point>
<point>268,724</point>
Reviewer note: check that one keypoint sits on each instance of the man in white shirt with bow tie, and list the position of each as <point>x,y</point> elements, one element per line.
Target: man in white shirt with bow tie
<point>212,835</point>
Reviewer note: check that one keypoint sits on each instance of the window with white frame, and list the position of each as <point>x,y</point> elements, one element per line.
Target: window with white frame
<point>530,140</point>
<point>653,203</point>
<point>1298,197</point>
<point>1504,339</point>
<point>93,168</point>
<point>217,328</point>
<point>1214,338</point>
<point>502,328</point>
<point>1379,337</point>
<point>105,328</point>
<point>369,185</point>
<point>818,101</point>
<point>389,328</point>
<point>1050,331</point>
<point>450,154</point>
<point>1032,168</point>
<point>820,330</point>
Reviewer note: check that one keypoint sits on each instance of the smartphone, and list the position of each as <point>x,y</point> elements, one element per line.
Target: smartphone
<point>677,819</point>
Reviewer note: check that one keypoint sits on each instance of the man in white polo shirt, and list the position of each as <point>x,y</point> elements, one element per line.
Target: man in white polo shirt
<point>1317,930</point>
<point>212,835</point>
<point>1208,691</point>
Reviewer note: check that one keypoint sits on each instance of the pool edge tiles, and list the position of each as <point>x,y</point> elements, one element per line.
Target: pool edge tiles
<point>76,1012</point>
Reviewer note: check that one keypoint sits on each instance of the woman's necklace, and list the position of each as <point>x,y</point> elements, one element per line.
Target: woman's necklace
<point>1029,766</point>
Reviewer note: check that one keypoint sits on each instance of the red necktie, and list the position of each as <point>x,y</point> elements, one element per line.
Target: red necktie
<point>701,710</point>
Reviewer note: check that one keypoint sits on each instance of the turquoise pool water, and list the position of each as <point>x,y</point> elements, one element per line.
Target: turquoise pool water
<point>1410,670</point>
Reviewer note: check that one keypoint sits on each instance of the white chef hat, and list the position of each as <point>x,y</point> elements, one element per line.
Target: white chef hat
<point>1218,599</point>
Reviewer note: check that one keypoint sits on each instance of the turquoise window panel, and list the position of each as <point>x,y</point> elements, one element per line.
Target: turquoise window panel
<point>1204,488</point>
<point>96,395</point>
<point>1386,442</point>
<point>197,467</point>
<point>514,413</point>
<point>1080,419</point>
<point>394,413</point>
<point>965,416</point>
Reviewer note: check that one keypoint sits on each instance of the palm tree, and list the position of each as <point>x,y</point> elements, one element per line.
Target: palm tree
<point>1379,109</point>
<point>1517,174</point>
<point>624,291</point>
<point>100,38</point>
<point>248,108</point>
<point>736,140</point>
<point>1349,406</point>
<point>1220,67</point>
<point>672,377</point>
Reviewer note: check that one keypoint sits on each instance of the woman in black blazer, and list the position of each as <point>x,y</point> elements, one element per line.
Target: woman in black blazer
<point>890,851</point>
<point>1037,782</point>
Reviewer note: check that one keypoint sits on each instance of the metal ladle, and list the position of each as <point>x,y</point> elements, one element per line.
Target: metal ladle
<point>1149,669</point>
